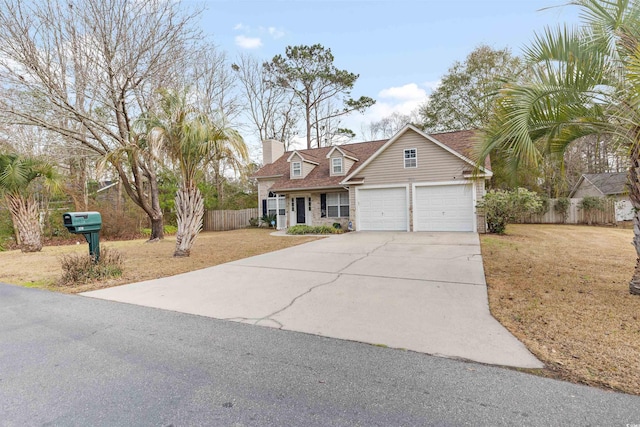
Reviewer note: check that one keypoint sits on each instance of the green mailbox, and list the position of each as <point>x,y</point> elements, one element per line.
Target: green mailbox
<point>88,224</point>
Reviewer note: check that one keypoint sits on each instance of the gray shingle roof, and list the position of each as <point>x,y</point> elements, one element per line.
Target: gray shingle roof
<point>459,141</point>
<point>608,183</point>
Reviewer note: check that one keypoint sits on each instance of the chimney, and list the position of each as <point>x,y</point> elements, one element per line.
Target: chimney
<point>272,150</point>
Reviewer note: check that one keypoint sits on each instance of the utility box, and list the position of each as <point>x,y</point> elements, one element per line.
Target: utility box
<point>88,224</point>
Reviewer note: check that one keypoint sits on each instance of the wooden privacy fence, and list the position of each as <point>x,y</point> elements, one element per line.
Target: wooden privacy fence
<point>575,215</point>
<point>228,220</point>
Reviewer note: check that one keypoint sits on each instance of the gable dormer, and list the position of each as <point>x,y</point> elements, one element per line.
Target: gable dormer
<point>340,161</point>
<point>300,164</point>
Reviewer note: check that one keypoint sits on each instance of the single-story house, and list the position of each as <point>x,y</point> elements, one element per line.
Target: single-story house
<point>606,185</point>
<point>411,182</point>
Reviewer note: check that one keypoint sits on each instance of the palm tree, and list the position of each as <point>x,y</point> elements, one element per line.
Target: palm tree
<point>585,81</point>
<point>21,179</point>
<point>191,141</point>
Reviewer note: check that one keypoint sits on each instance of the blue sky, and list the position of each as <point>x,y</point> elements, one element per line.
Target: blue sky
<point>400,48</point>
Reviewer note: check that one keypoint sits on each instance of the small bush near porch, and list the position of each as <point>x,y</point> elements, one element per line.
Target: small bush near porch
<point>318,229</point>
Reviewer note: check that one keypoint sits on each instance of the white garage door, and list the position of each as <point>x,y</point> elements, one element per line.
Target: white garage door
<point>382,209</point>
<point>444,208</point>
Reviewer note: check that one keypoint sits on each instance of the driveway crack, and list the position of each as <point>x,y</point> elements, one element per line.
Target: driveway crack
<point>311,289</point>
<point>293,301</point>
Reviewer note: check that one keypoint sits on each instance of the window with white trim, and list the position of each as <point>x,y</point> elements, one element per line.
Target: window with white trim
<point>296,169</point>
<point>338,205</point>
<point>336,165</point>
<point>410,158</point>
<point>275,204</point>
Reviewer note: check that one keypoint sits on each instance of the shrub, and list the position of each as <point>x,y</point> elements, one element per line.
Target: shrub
<point>123,223</point>
<point>318,229</point>
<point>337,225</point>
<point>168,230</point>
<point>562,207</point>
<point>502,207</point>
<point>544,205</point>
<point>82,268</point>
<point>7,238</point>
<point>269,219</point>
<point>590,205</point>
<point>254,222</point>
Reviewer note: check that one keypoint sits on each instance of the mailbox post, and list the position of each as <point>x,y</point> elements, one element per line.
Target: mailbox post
<point>88,224</point>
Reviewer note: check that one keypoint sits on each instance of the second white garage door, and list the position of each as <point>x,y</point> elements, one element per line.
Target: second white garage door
<point>444,208</point>
<point>382,209</point>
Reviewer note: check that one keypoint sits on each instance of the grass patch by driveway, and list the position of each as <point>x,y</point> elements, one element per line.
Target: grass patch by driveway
<point>143,261</point>
<point>563,291</point>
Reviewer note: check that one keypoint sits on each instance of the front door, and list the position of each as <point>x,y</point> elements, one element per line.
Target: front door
<point>300,211</point>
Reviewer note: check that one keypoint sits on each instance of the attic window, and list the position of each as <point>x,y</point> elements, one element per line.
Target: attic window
<point>336,165</point>
<point>410,158</point>
<point>296,169</point>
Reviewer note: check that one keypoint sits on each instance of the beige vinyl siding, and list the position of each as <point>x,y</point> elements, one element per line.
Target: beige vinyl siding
<point>434,163</point>
<point>347,164</point>
<point>587,189</point>
<point>306,168</point>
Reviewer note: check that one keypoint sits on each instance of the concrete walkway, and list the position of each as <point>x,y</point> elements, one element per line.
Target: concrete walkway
<point>424,292</point>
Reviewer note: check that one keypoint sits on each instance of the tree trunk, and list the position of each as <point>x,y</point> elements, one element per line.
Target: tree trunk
<point>634,285</point>
<point>189,212</point>
<point>308,119</point>
<point>26,219</point>
<point>157,229</point>
<point>634,196</point>
<point>157,217</point>
<point>150,204</point>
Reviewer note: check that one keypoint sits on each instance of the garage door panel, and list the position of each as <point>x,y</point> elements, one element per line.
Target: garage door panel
<point>444,208</point>
<point>383,209</point>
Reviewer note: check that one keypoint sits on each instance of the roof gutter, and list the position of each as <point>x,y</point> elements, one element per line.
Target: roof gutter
<point>266,176</point>
<point>289,190</point>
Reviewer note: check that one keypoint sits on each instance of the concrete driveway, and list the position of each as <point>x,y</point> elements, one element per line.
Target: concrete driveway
<point>424,292</point>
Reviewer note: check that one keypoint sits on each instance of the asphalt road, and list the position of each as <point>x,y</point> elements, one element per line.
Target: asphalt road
<point>72,360</point>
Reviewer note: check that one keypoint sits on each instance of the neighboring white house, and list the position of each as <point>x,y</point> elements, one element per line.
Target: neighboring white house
<point>411,182</point>
<point>606,185</point>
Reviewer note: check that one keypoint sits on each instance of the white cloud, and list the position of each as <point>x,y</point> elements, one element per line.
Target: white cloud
<point>248,42</point>
<point>252,37</point>
<point>408,92</point>
<point>404,100</point>
<point>398,99</point>
<point>275,32</point>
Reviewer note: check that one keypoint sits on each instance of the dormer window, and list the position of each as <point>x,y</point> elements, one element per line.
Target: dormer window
<point>336,166</point>
<point>410,158</point>
<point>296,169</point>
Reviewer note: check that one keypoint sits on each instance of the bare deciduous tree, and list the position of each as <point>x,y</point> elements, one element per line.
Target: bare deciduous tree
<point>388,126</point>
<point>85,69</point>
<point>270,107</point>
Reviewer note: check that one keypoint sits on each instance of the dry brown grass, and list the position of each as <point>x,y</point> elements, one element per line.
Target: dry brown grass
<point>563,291</point>
<point>143,261</point>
